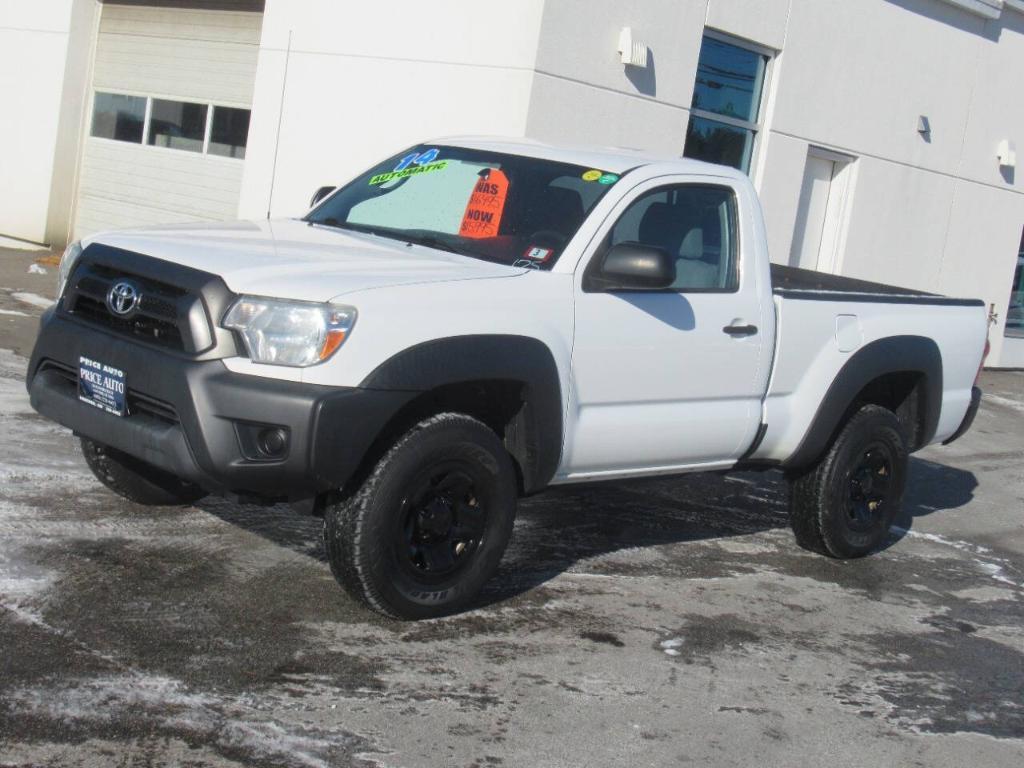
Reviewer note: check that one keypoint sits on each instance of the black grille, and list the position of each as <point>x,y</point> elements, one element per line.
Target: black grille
<point>162,315</point>
<point>136,403</point>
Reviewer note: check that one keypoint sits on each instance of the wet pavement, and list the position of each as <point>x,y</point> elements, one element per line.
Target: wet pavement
<point>656,623</point>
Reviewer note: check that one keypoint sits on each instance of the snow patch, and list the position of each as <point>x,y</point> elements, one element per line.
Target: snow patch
<point>1008,402</point>
<point>14,312</point>
<point>671,646</point>
<point>994,567</point>
<point>227,721</point>
<point>32,298</point>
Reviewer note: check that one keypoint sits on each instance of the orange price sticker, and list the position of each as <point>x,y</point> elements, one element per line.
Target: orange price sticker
<point>486,205</point>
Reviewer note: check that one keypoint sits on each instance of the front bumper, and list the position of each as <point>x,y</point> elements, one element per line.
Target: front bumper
<point>972,411</point>
<point>200,421</point>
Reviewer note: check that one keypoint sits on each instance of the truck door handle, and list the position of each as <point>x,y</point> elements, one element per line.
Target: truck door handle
<point>739,328</point>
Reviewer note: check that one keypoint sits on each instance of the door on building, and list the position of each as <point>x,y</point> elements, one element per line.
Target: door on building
<point>169,113</point>
<point>822,211</point>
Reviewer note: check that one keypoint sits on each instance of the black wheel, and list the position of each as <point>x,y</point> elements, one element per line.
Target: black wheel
<point>137,481</point>
<point>845,505</point>
<point>429,525</point>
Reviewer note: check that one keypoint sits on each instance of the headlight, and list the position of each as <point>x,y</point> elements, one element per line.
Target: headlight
<point>67,263</point>
<point>289,333</point>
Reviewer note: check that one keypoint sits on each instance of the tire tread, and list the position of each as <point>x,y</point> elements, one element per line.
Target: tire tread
<point>345,519</point>
<point>809,490</point>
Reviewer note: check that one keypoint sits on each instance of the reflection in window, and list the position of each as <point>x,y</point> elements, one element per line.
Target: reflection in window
<point>177,125</point>
<point>719,143</point>
<point>726,103</point>
<point>729,80</point>
<point>118,117</point>
<point>230,132</point>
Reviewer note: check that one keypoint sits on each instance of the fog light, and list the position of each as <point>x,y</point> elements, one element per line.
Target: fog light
<point>272,442</point>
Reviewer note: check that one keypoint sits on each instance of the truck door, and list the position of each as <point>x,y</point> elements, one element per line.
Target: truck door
<point>672,379</point>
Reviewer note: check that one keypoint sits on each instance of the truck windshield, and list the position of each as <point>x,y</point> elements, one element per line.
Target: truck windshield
<point>515,210</point>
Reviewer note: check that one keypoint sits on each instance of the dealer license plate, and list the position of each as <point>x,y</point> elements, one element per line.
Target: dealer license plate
<point>101,385</point>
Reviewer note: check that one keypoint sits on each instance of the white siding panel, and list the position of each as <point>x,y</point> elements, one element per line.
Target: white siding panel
<point>187,69</point>
<point>179,53</point>
<point>127,185</point>
<point>218,26</point>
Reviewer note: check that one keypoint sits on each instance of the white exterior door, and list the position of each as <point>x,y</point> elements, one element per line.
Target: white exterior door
<point>820,216</point>
<point>660,382</point>
<point>171,99</point>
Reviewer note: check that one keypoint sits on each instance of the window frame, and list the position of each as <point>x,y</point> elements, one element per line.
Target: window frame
<point>593,267</point>
<point>755,127</point>
<point>147,123</point>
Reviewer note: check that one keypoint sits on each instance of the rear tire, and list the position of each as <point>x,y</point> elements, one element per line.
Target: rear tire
<point>430,524</point>
<point>137,481</point>
<point>844,506</point>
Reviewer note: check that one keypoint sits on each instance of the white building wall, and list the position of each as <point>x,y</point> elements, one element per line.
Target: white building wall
<point>34,43</point>
<point>360,80</point>
<point>852,77</point>
<point>582,92</point>
<point>341,84</point>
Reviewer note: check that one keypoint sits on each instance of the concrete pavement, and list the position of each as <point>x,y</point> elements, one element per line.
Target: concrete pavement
<point>656,623</point>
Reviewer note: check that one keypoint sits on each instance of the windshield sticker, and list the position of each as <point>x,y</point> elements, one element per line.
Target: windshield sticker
<point>538,254</point>
<point>486,205</point>
<point>384,178</point>
<point>414,162</point>
<point>591,175</point>
<point>421,158</point>
<point>525,264</point>
<point>608,178</point>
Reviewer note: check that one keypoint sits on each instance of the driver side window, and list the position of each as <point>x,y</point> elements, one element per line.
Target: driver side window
<point>695,224</point>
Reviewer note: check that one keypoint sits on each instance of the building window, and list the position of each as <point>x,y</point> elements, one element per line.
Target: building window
<point>726,108</point>
<point>1015,314</point>
<point>208,129</point>
<point>177,125</point>
<point>117,117</point>
<point>230,132</point>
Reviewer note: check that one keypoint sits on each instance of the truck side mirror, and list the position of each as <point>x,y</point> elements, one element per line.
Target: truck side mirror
<point>319,195</point>
<point>632,266</point>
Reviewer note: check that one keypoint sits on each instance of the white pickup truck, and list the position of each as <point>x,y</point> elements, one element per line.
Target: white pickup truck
<point>471,321</point>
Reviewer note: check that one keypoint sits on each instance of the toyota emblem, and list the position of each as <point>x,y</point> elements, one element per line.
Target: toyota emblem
<point>123,298</point>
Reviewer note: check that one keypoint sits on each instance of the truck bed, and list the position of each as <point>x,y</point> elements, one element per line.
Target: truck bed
<point>795,283</point>
<point>824,320</point>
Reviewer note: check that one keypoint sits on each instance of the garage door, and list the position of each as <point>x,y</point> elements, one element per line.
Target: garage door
<point>172,92</point>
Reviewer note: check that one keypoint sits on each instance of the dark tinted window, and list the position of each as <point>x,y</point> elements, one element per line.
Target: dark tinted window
<point>230,132</point>
<point>719,143</point>
<point>726,103</point>
<point>729,80</point>
<point>177,125</point>
<point>489,205</point>
<point>694,224</point>
<point>118,117</point>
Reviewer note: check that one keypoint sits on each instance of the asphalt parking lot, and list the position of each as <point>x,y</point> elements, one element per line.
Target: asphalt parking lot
<point>655,623</point>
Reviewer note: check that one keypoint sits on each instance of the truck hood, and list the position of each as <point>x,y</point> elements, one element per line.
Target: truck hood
<point>290,259</point>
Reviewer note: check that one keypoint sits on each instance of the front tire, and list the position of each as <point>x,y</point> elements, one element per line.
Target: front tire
<point>844,506</point>
<point>137,481</point>
<point>428,527</point>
